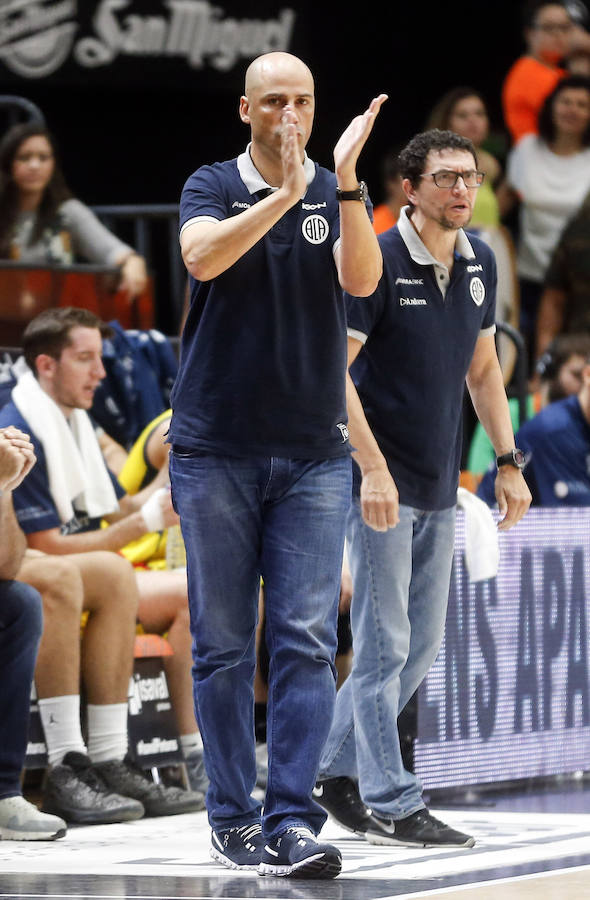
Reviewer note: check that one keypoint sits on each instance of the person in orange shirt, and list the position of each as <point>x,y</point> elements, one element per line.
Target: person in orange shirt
<point>551,37</point>
<point>386,214</point>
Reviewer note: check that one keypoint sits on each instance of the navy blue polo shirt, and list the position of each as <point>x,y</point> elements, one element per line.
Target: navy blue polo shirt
<point>263,355</point>
<point>556,443</point>
<point>33,503</point>
<point>419,331</point>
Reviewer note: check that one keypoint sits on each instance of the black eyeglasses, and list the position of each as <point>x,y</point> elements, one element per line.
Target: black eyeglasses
<point>448,179</point>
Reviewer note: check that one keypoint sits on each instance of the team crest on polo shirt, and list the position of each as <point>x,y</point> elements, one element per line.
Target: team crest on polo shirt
<point>315,229</point>
<point>477,291</point>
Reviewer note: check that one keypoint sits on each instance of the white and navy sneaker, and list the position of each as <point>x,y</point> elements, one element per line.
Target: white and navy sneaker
<point>297,853</point>
<point>238,848</point>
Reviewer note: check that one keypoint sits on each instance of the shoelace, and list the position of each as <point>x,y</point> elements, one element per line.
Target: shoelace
<point>303,833</point>
<point>247,832</point>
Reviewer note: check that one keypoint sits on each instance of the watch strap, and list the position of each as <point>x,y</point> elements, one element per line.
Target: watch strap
<point>359,193</point>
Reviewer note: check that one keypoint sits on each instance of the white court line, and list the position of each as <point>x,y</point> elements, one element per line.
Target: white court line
<point>491,882</point>
<point>126,896</point>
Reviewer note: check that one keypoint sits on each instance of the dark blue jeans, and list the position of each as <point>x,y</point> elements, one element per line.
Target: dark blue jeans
<point>282,520</point>
<point>21,625</point>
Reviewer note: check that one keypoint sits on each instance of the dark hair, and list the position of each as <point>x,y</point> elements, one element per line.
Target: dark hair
<point>54,195</point>
<point>558,352</point>
<point>49,332</point>
<point>412,159</point>
<point>530,10</point>
<point>441,112</point>
<point>547,129</point>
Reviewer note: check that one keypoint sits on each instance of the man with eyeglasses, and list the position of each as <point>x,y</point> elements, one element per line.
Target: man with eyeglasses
<point>552,37</point>
<point>427,329</point>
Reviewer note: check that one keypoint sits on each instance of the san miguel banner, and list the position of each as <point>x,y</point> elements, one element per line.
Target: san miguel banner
<point>509,694</point>
<point>99,42</point>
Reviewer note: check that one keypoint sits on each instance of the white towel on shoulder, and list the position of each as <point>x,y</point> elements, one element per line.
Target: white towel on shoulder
<point>78,476</point>
<point>482,552</point>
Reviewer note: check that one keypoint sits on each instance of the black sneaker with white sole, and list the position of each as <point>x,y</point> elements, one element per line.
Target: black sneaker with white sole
<point>420,829</point>
<point>238,848</point>
<point>341,799</point>
<point>297,853</point>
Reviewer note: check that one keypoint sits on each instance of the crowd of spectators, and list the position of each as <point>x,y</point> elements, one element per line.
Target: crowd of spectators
<point>57,493</point>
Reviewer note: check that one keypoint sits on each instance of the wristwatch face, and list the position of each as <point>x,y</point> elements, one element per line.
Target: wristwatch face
<point>519,458</point>
<point>514,458</point>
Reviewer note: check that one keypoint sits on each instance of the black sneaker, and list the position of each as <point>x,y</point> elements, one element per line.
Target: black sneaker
<point>297,853</point>
<point>238,848</point>
<point>420,829</point>
<point>75,792</point>
<point>341,799</point>
<point>128,779</point>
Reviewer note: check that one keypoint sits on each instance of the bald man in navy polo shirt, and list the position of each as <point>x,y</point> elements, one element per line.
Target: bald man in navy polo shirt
<point>427,329</point>
<point>260,461</point>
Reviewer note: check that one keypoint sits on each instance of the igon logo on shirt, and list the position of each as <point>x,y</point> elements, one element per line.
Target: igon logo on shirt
<point>315,229</point>
<point>477,291</point>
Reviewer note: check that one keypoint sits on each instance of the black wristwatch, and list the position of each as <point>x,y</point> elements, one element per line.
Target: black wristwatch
<point>514,458</point>
<point>360,193</point>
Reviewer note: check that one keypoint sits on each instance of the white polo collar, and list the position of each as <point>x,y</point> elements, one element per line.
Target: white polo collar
<point>417,249</point>
<point>254,180</point>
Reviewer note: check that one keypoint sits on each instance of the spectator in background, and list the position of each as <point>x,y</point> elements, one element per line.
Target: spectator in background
<point>42,223</point>
<point>558,375</point>
<point>463,110</point>
<point>549,175</point>
<point>386,214</point>
<point>564,307</point>
<point>556,444</point>
<point>551,36</point>
<point>21,624</point>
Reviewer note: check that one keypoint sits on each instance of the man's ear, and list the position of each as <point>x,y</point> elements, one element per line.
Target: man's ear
<point>409,190</point>
<point>245,110</point>
<point>45,365</point>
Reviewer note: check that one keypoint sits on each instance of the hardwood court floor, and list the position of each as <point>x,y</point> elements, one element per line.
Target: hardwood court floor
<point>533,845</point>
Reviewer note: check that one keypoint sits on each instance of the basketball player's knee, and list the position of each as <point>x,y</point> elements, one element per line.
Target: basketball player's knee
<point>117,582</point>
<point>59,582</point>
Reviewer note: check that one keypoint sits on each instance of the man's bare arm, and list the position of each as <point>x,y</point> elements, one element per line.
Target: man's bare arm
<point>486,387</point>
<point>16,460</point>
<point>210,248</point>
<point>358,257</point>
<point>379,496</point>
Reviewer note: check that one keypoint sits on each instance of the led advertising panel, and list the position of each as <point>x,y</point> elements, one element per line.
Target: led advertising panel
<point>508,696</point>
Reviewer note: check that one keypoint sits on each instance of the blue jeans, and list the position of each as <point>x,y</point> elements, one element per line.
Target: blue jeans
<point>282,520</point>
<point>21,625</point>
<point>400,591</point>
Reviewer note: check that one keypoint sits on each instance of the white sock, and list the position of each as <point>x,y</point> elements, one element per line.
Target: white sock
<point>60,717</point>
<point>107,731</point>
<point>191,743</point>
